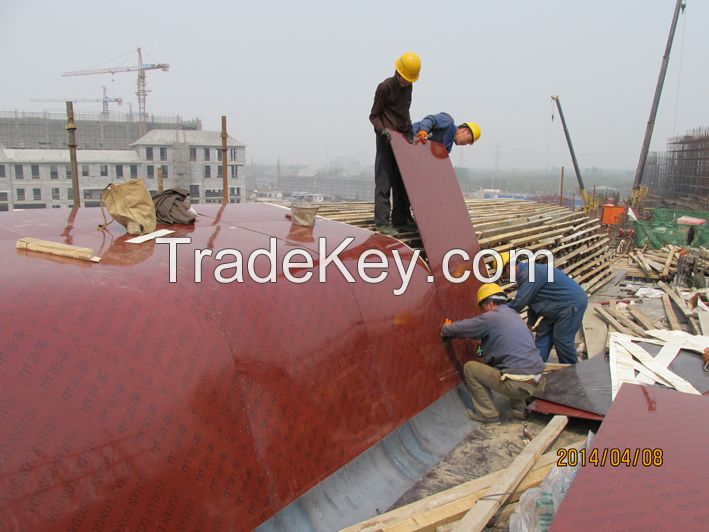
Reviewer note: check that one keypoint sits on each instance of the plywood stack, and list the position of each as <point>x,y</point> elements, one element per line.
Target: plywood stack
<point>575,239</point>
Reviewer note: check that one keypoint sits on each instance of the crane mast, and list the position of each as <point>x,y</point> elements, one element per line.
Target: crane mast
<point>141,93</point>
<point>587,201</point>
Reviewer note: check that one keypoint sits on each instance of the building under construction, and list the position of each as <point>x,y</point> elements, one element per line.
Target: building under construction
<point>680,176</point>
<point>95,131</point>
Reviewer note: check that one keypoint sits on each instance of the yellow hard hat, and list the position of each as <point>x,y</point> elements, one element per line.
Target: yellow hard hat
<point>489,289</point>
<point>474,129</point>
<point>408,66</point>
<point>505,256</point>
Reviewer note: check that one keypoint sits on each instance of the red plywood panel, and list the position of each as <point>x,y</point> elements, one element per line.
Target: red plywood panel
<point>548,407</point>
<point>130,402</point>
<point>670,496</point>
<point>442,218</point>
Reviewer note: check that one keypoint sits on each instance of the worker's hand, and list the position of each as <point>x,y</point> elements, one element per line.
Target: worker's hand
<point>386,135</point>
<point>447,322</point>
<point>422,136</point>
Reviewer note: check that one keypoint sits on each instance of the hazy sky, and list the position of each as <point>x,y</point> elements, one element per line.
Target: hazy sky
<point>296,79</point>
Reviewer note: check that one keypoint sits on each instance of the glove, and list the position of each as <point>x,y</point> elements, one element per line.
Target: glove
<point>447,322</point>
<point>386,135</point>
<point>422,136</point>
<point>410,136</point>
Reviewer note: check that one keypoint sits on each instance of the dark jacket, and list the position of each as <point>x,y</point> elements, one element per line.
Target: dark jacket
<point>506,342</point>
<point>391,106</point>
<point>441,127</point>
<point>546,298</point>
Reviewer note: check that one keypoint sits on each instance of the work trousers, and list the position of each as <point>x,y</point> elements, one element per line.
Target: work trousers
<point>560,331</point>
<point>480,379</point>
<point>387,181</point>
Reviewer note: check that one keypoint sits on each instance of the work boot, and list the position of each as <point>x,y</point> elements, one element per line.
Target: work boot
<point>386,229</point>
<point>482,419</point>
<point>519,414</point>
<point>407,228</point>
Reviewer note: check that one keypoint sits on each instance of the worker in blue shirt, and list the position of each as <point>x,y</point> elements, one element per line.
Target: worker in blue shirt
<point>561,304</point>
<point>441,128</point>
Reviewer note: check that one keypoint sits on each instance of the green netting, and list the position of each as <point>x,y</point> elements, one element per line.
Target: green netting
<point>657,234</point>
<point>670,215</point>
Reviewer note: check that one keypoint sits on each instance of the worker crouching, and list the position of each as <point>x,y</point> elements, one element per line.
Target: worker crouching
<point>512,366</point>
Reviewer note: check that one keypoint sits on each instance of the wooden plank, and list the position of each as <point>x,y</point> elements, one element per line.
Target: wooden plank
<point>670,313</point>
<point>621,365</point>
<point>612,321</point>
<point>641,317</point>
<point>595,332</point>
<point>648,377</point>
<point>681,303</point>
<point>647,360</point>
<point>668,263</point>
<point>703,317</point>
<point>669,351</point>
<point>628,323</point>
<point>473,488</point>
<point>476,519</point>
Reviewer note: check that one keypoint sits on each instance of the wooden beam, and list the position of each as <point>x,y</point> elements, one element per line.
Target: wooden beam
<point>681,303</point>
<point>641,317</point>
<point>447,498</point>
<point>612,321</point>
<point>670,313</point>
<point>476,519</point>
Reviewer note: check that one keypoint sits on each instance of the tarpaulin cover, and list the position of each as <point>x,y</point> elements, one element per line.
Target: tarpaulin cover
<point>671,215</point>
<point>131,403</point>
<point>662,480</point>
<point>658,234</point>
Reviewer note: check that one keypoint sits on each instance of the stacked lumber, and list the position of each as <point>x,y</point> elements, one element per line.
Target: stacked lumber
<point>652,265</point>
<point>471,505</point>
<point>579,248</point>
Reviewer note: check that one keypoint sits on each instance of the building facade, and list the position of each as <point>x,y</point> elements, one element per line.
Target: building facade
<point>41,178</point>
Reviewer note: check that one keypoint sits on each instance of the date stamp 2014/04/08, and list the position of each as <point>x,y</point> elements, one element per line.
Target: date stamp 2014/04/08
<point>614,457</point>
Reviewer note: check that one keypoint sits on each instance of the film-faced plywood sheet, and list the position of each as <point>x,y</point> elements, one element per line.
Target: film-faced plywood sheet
<point>668,494</point>
<point>442,218</point>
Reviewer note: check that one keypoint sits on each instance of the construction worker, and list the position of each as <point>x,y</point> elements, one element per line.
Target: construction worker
<point>390,112</point>
<point>512,366</point>
<point>441,128</point>
<point>561,304</point>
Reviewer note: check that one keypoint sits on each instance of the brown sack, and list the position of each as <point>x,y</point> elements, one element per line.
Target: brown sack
<point>131,205</point>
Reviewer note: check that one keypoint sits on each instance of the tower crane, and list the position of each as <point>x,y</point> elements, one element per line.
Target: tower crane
<point>141,92</point>
<point>105,100</point>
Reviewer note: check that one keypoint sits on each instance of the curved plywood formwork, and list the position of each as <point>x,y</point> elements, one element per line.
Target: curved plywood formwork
<point>128,401</point>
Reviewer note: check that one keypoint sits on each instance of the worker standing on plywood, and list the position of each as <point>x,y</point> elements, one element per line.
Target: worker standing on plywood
<point>512,366</point>
<point>441,128</point>
<point>390,112</point>
<point>560,303</point>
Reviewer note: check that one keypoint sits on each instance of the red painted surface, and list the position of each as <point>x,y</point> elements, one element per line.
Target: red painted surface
<point>671,496</point>
<point>549,407</point>
<point>443,220</point>
<point>129,402</point>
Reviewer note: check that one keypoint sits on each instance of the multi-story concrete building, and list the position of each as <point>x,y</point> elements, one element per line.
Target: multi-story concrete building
<point>94,131</point>
<point>37,178</point>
